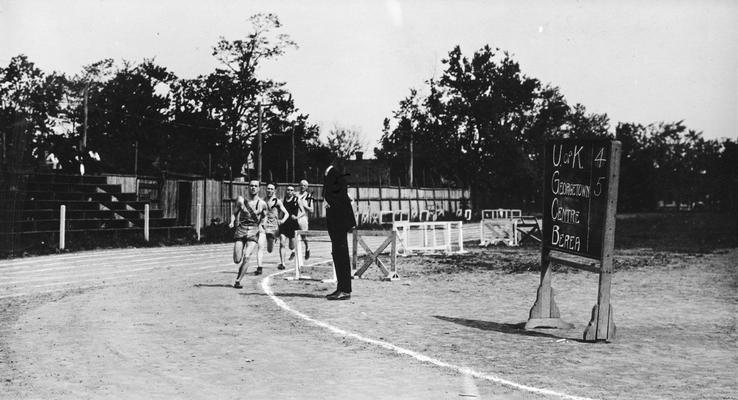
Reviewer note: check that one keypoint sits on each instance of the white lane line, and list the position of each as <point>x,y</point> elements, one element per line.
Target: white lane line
<point>265,286</point>
<point>112,274</point>
<point>60,261</point>
<point>106,278</point>
<point>93,254</point>
<point>175,267</point>
<point>97,266</point>
<point>113,266</point>
<point>106,275</point>
<point>205,270</point>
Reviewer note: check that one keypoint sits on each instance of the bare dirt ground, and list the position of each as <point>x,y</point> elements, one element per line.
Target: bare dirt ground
<point>675,315</point>
<point>193,336</point>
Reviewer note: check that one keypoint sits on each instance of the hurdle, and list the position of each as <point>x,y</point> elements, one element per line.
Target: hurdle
<point>499,226</point>
<point>397,215</point>
<point>464,214</point>
<point>299,256</point>
<point>373,255</point>
<point>429,240</point>
<point>529,227</point>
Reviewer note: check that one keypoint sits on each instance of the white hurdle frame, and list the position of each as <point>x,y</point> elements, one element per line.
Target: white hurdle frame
<point>300,260</point>
<point>396,215</point>
<point>502,217</point>
<point>403,227</point>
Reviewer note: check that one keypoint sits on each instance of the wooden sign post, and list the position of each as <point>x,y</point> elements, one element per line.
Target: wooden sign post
<point>579,205</point>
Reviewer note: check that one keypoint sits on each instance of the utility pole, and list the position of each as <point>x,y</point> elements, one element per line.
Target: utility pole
<point>135,158</point>
<point>411,158</point>
<point>293,152</point>
<point>258,133</point>
<point>84,130</point>
<point>260,109</point>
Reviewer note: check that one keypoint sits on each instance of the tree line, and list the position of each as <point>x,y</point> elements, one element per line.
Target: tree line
<point>141,117</point>
<point>483,123</point>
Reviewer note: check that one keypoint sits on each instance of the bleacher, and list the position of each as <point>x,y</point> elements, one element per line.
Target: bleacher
<point>95,212</point>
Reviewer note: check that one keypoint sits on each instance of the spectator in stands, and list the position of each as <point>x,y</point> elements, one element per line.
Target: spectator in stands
<point>93,162</point>
<point>51,161</point>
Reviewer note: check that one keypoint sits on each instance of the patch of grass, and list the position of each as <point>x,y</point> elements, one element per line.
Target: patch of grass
<point>693,232</point>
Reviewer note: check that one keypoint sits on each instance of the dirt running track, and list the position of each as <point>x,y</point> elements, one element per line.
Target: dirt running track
<point>164,323</point>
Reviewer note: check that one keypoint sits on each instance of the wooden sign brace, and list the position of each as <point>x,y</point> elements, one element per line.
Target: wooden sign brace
<point>373,255</point>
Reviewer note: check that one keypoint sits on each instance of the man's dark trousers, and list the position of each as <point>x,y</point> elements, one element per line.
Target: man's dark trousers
<point>341,260</point>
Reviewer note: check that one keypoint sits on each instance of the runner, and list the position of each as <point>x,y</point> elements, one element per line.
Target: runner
<point>249,232</point>
<point>306,198</point>
<point>272,221</point>
<point>287,230</point>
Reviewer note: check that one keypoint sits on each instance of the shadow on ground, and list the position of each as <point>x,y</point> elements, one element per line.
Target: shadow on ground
<point>307,295</point>
<point>199,285</point>
<point>516,329</point>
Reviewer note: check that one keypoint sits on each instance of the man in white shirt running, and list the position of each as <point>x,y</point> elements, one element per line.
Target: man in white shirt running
<point>306,200</point>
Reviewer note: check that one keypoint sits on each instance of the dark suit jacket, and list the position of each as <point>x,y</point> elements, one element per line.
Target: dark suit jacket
<point>340,214</point>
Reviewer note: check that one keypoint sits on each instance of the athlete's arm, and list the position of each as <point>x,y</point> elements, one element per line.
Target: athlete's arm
<point>262,212</point>
<point>283,210</point>
<point>300,211</point>
<point>233,220</point>
<point>308,202</point>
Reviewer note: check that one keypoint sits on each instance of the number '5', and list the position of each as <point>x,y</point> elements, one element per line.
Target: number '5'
<point>598,186</point>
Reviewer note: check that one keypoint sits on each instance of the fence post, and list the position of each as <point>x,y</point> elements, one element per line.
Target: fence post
<point>448,237</point>
<point>461,236</point>
<point>380,199</point>
<point>146,222</point>
<point>198,221</point>
<point>481,230</point>
<point>298,255</point>
<point>62,226</point>
<point>355,257</point>
<point>433,234</point>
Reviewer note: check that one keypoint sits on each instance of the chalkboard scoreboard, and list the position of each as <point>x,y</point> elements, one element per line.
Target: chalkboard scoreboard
<point>577,188</point>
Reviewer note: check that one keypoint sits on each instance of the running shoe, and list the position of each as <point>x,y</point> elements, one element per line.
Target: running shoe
<point>307,254</point>
<point>280,266</point>
<point>237,285</point>
<point>258,271</point>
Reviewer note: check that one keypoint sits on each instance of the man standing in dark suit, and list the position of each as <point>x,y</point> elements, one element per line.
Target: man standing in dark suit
<point>340,220</point>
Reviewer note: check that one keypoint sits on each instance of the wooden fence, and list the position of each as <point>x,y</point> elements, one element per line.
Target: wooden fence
<point>182,198</point>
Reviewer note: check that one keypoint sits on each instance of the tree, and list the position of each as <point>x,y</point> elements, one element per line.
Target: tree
<point>483,125</point>
<point>475,126</point>
<point>233,92</point>
<point>130,118</point>
<point>580,125</point>
<point>344,142</point>
<point>29,97</point>
<point>93,77</point>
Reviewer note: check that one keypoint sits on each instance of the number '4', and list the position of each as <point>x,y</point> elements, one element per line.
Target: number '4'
<point>599,159</point>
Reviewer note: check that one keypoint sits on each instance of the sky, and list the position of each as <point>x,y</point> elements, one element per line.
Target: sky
<point>635,61</point>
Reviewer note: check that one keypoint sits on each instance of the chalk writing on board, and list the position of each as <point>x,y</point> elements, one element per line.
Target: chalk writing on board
<point>575,179</point>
